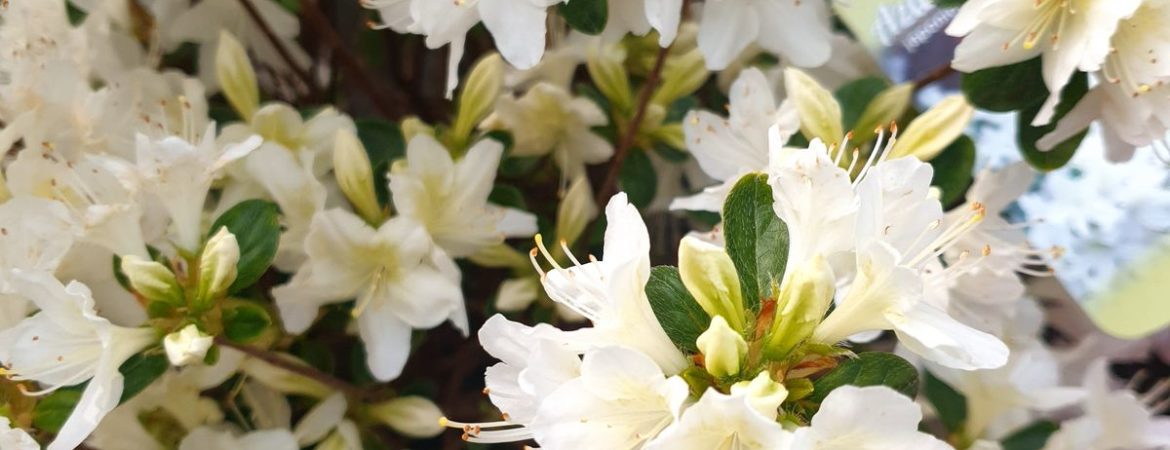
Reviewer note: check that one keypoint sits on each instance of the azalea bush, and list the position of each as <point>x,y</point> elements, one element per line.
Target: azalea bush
<point>610,224</point>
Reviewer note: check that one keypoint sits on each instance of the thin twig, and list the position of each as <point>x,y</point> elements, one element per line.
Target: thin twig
<point>609,186</point>
<point>937,74</point>
<point>283,51</point>
<point>299,369</point>
<point>350,63</point>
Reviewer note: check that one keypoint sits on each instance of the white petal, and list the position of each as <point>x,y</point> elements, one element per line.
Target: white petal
<point>726,30</point>
<point>931,333</point>
<point>518,28</point>
<point>387,342</point>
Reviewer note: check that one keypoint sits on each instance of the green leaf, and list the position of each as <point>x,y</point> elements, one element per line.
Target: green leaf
<point>855,96</point>
<point>140,371</point>
<point>1027,135</point>
<point>52,410</point>
<point>245,322</point>
<point>1031,437</point>
<point>869,369</point>
<point>256,225</point>
<point>757,240</point>
<point>1006,88</point>
<point>949,3</point>
<point>949,403</point>
<point>638,179</point>
<point>953,170</point>
<point>586,16</point>
<point>507,195</point>
<point>676,310</point>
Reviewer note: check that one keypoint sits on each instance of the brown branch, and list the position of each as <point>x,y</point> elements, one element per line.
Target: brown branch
<point>350,63</point>
<point>934,75</point>
<point>299,369</point>
<point>283,51</point>
<point>609,186</point>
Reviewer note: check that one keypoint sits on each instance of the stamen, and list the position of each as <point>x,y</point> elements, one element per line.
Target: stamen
<point>544,251</point>
<point>569,253</point>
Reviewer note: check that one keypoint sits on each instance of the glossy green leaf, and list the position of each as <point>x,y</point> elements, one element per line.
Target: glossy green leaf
<point>1006,88</point>
<point>950,405</point>
<point>256,225</point>
<point>954,170</point>
<point>586,16</point>
<point>869,369</point>
<point>52,410</point>
<point>1031,437</point>
<point>757,240</point>
<point>140,371</point>
<point>638,179</point>
<point>245,322</point>
<point>1027,135</point>
<point>676,310</point>
<point>855,96</point>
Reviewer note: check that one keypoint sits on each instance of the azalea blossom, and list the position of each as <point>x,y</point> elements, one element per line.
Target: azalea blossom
<point>401,282</point>
<point>15,438</point>
<point>451,198</point>
<point>65,344</point>
<point>799,32</point>
<point>1113,419</point>
<point>874,417</point>
<point>1068,35</point>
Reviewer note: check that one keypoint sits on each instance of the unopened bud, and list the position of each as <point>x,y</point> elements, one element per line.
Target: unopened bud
<point>412,416</point>
<point>187,346</point>
<point>722,347</point>
<point>683,75</point>
<point>235,75</point>
<point>152,280</point>
<point>217,266</point>
<point>805,296</point>
<point>763,394</point>
<point>478,97</point>
<point>607,70</point>
<point>710,276</point>
<point>887,107</point>
<point>576,210</point>
<point>413,126</point>
<point>820,114</point>
<point>355,176</point>
<point>935,129</point>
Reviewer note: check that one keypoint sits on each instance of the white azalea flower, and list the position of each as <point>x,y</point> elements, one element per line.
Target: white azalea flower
<point>639,16</point>
<point>399,281</point>
<point>204,20</point>
<point>1113,419</point>
<point>205,438</point>
<point>35,235</point>
<point>728,148</point>
<point>1069,35</point>
<point>611,292</point>
<point>450,198</point>
<point>724,422</point>
<point>105,212</point>
<point>15,438</point>
<point>1128,121</point>
<point>897,229</point>
<point>620,401</point>
<point>65,344</point>
<point>179,172</point>
<point>866,418</point>
<point>517,26</point>
<point>797,31</point>
<point>534,361</point>
<point>548,120</point>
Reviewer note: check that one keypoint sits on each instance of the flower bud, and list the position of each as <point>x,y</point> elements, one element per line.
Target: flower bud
<point>805,296</point>
<point>710,276</point>
<point>576,210</point>
<point>187,346</point>
<point>351,167</point>
<point>763,394</point>
<point>608,72</point>
<point>282,379</point>
<point>413,126</point>
<point>235,75</point>
<point>820,115</point>
<point>887,107</point>
<point>682,76</point>
<point>478,97</point>
<point>501,256</point>
<point>152,280</point>
<point>279,123</point>
<point>935,129</point>
<point>217,266</point>
<point>722,347</point>
<point>413,416</point>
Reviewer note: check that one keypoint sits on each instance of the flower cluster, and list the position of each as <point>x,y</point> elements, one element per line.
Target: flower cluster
<point>247,224</point>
